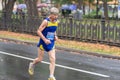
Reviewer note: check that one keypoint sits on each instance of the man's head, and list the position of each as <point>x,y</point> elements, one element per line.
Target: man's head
<point>54,10</point>
<point>54,13</point>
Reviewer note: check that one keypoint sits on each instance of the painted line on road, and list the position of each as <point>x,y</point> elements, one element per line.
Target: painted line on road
<point>66,67</point>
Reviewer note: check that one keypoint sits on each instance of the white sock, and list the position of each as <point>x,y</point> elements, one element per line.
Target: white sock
<point>51,76</point>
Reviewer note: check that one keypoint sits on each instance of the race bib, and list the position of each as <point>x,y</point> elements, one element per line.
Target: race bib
<point>50,36</point>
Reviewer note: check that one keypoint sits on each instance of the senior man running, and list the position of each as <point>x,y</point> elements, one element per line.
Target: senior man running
<point>47,34</point>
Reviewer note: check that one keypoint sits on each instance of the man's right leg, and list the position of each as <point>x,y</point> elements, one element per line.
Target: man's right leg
<point>35,61</point>
<point>40,56</point>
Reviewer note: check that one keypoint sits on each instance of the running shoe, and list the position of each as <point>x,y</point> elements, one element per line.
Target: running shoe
<point>31,68</point>
<point>51,78</point>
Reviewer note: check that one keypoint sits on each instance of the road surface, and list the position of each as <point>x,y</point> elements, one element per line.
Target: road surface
<point>15,58</point>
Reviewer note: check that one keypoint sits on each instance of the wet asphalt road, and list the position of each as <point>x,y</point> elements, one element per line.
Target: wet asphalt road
<point>15,58</point>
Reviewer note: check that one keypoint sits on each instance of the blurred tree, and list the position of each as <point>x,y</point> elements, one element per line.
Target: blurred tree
<point>32,8</point>
<point>20,1</point>
<point>80,4</point>
<point>97,8</point>
<point>32,12</point>
<point>8,5</point>
<point>105,5</point>
<point>90,2</point>
<point>115,7</point>
<point>105,9</point>
<point>7,8</point>
<point>62,1</point>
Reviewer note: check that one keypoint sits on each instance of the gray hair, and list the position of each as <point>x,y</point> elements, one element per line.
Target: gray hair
<point>54,10</point>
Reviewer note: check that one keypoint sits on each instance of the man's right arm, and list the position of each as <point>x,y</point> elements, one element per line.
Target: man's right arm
<point>39,32</point>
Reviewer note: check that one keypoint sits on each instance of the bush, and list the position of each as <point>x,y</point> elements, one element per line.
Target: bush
<point>93,15</point>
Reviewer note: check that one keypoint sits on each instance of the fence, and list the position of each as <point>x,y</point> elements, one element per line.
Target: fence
<point>91,30</point>
<point>100,31</point>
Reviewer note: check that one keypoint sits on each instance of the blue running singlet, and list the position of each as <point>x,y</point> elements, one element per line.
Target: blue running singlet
<point>49,33</point>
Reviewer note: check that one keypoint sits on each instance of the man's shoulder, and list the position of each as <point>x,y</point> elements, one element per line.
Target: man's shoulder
<point>48,19</point>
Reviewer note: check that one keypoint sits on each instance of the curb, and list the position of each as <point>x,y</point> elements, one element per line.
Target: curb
<point>89,53</point>
<point>65,49</point>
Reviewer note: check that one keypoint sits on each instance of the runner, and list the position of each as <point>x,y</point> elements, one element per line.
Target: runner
<point>47,33</point>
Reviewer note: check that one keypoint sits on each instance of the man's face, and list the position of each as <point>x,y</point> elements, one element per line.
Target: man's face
<point>54,16</point>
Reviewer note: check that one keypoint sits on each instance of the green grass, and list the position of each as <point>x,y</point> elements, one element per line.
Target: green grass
<point>99,48</point>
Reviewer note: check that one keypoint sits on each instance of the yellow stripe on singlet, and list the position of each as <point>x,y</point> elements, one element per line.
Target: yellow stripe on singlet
<point>52,24</point>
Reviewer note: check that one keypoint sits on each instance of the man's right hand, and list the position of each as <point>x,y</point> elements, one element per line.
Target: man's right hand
<point>47,41</point>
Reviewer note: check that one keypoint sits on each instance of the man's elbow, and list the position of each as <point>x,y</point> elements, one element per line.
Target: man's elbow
<point>38,32</point>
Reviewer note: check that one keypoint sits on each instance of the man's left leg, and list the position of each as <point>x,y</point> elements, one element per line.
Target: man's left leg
<point>52,58</point>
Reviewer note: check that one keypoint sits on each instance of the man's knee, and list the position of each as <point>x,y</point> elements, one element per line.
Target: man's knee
<point>39,59</point>
<point>52,59</point>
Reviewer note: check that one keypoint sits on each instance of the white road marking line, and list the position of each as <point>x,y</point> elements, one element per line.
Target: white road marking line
<point>66,67</point>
